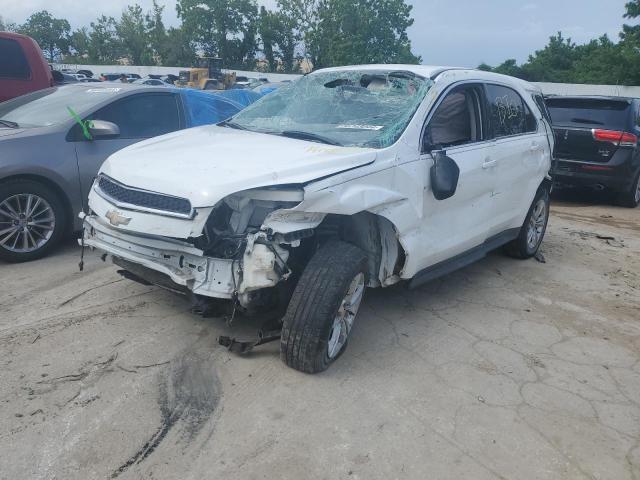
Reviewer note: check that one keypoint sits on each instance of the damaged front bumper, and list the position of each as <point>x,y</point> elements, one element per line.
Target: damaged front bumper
<point>181,262</point>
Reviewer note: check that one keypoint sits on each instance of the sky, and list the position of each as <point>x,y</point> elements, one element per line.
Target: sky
<point>446,32</point>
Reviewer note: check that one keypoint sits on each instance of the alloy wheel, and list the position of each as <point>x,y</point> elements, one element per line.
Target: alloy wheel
<point>27,222</point>
<point>535,229</point>
<point>343,322</point>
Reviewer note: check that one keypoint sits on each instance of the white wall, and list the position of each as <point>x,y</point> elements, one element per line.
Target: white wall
<point>579,89</point>
<point>144,71</point>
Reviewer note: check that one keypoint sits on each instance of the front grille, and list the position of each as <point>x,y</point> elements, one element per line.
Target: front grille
<point>144,199</point>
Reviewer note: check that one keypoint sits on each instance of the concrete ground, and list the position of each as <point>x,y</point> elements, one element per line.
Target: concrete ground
<point>504,370</point>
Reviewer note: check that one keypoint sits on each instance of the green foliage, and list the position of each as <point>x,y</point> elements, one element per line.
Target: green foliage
<point>600,61</point>
<point>134,37</point>
<point>343,32</point>
<point>323,32</point>
<point>222,28</point>
<point>179,50</point>
<point>279,37</point>
<point>509,67</point>
<point>52,34</point>
<point>104,46</point>
<point>6,26</point>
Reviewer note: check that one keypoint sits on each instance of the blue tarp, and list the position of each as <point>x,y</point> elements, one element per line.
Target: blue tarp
<point>241,97</point>
<point>206,108</point>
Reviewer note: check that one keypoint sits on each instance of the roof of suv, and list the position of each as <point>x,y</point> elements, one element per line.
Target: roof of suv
<point>591,97</point>
<point>433,71</point>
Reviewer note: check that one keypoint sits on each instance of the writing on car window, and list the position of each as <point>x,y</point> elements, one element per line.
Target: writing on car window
<point>508,112</point>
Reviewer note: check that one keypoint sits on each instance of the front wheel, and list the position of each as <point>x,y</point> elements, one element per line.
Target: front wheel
<point>32,220</point>
<point>323,308</point>
<point>528,242</point>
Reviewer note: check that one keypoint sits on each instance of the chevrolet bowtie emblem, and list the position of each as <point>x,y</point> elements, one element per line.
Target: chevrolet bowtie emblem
<point>116,218</point>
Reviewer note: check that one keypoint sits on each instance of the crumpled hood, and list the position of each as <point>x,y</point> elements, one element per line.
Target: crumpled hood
<point>205,164</point>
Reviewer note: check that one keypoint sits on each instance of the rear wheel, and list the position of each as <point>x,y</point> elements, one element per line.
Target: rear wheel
<point>32,220</point>
<point>323,308</point>
<point>631,198</point>
<point>528,242</point>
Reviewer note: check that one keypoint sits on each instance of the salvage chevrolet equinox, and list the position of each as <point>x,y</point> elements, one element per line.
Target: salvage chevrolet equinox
<point>349,178</point>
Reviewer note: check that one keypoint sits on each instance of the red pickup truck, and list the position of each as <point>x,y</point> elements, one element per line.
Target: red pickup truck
<point>23,68</point>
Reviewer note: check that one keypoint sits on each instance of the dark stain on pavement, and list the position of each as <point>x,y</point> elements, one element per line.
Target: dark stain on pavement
<point>189,394</point>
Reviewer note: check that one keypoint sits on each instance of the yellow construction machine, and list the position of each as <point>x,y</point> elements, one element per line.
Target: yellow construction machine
<point>207,75</point>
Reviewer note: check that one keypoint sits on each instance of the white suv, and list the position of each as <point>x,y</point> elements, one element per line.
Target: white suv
<point>350,177</point>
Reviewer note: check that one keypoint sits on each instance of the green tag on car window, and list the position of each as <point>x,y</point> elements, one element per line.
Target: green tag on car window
<point>84,124</point>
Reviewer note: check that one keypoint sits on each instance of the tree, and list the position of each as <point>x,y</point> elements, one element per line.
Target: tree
<point>6,26</point>
<point>362,31</point>
<point>157,34</point>
<point>133,36</point>
<point>510,67</point>
<point>267,28</point>
<point>79,45</point>
<point>179,49</point>
<point>554,63</point>
<point>631,33</point>
<point>279,39</point>
<point>52,34</point>
<point>301,19</point>
<point>223,28</point>
<point>601,62</point>
<point>104,44</point>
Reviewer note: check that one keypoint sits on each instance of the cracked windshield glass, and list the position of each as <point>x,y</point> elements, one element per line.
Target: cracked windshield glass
<point>346,108</point>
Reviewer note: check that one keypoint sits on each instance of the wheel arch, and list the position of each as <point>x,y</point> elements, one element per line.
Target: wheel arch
<point>66,201</point>
<point>375,235</point>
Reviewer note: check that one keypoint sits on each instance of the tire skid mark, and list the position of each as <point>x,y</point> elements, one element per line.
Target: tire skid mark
<point>189,395</point>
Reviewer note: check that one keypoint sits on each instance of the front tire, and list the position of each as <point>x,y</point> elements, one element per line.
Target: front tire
<point>528,242</point>
<point>323,308</point>
<point>32,220</point>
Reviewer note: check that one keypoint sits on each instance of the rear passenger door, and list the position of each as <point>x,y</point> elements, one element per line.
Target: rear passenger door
<point>139,117</point>
<point>520,149</point>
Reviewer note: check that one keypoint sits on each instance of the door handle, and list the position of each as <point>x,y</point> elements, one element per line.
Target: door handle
<point>489,163</point>
<point>534,147</point>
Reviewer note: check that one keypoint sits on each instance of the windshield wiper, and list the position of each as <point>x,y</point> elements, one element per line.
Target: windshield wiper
<point>9,123</point>
<point>586,120</point>
<point>227,123</point>
<point>300,135</point>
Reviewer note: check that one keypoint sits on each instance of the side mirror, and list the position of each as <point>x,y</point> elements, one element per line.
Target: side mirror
<point>101,130</point>
<point>444,176</point>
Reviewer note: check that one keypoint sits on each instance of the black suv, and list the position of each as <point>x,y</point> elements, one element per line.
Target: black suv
<point>597,144</point>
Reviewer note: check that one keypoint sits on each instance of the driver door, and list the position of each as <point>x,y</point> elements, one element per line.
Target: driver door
<point>138,116</point>
<point>458,128</point>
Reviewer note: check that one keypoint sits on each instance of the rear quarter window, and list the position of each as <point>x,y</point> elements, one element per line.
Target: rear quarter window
<point>589,113</point>
<point>13,62</point>
<point>508,113</point>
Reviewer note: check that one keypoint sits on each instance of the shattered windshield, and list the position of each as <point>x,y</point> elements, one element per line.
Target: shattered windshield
<point>365,108</point>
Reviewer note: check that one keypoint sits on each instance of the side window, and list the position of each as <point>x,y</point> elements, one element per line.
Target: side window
<point>142,116</point>
<point>508,113</point>
<point>13,63</point>
<point>456,121</point>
